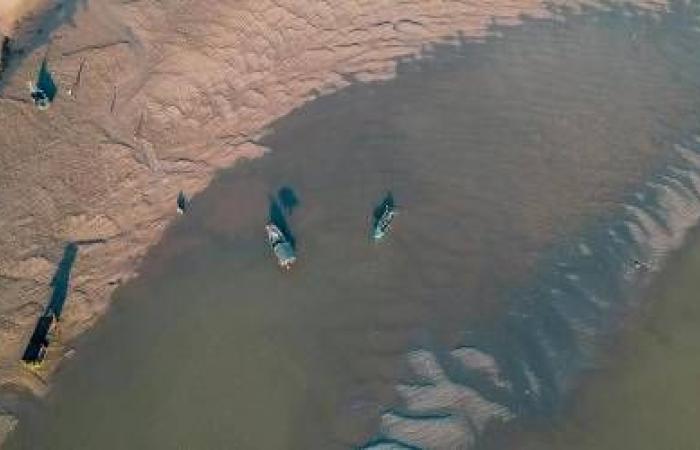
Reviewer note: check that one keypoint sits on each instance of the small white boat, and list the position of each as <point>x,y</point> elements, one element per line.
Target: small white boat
<point>280,246</point>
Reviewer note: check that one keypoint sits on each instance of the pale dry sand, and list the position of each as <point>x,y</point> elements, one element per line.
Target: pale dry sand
<point>12,12</point>
<point>169,94</point>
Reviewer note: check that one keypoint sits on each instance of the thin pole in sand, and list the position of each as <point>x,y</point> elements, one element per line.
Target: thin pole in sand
<point>139,126</point>
<point>114,99</point>
<point>76,83</point>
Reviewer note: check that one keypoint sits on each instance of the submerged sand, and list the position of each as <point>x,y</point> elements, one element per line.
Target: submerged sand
<point>167,95</point>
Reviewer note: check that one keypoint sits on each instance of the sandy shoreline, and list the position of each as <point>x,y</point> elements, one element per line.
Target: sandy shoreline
<point>167,97</point>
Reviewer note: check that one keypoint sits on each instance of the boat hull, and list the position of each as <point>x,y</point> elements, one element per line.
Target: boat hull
<point>281,246</point>
<point>382,225</point>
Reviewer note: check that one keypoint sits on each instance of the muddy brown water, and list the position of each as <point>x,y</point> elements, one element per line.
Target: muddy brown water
<point>643,395</point>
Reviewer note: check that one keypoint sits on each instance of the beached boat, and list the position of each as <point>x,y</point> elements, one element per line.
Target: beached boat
<point>43,90</point>
<point>39,97</point>
<point>280,245</point>
<point>42,336</point>
<point>181,203</point>
<point>383,223</point>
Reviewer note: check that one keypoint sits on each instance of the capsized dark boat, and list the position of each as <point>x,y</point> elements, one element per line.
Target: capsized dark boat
<point>383,222</point>
<point>281,246</point>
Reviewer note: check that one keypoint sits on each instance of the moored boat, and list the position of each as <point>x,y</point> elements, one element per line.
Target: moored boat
<point>281,246</point>
<point>383,223</point>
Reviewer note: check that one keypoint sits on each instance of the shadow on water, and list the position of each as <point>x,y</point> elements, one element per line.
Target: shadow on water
<point>181,201</point>
<point>288,199</point>
<point>387,202</point>
<point>277,217</point>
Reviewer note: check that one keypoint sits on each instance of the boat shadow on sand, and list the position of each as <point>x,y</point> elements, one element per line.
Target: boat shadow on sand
<point>61,279</point>
<point>42,336</point>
